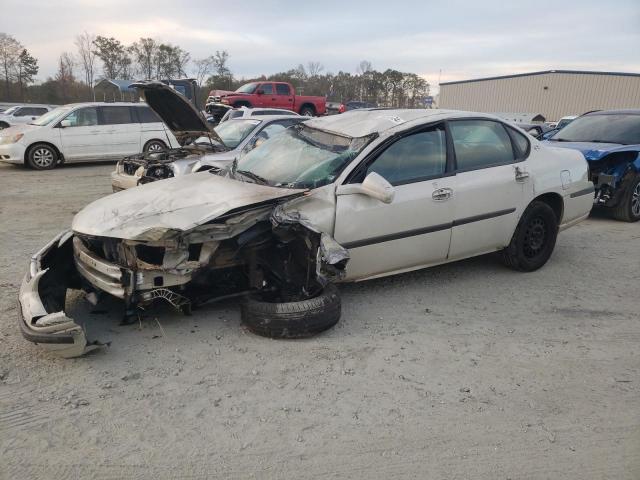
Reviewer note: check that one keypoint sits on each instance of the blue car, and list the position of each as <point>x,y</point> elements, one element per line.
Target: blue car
<point>610,142</point>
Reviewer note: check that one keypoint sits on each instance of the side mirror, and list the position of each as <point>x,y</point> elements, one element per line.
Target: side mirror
<point>65,123</point>
<point>374,186</point>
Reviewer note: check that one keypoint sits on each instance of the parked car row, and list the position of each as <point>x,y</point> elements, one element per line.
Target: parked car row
<point>338,198</point>
<point>21,114</point>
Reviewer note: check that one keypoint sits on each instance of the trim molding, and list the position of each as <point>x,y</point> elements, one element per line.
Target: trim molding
<point>422,231</point>
<point>586,191</point>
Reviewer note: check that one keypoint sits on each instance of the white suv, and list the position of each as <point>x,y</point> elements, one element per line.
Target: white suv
<point>85,132</point>
<point>20,114</point>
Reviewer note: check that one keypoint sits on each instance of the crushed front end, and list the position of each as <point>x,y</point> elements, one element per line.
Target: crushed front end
<point>250,250</point>
<point>612,174</point>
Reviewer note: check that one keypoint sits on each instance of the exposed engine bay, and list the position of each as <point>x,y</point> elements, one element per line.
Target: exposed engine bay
<point>610,175</point>
<point>259,250</point>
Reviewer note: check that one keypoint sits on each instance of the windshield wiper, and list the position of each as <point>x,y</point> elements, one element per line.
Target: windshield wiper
<point>253,176</point>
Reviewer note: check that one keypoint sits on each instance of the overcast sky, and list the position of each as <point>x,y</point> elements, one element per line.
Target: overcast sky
<point>460,39</point>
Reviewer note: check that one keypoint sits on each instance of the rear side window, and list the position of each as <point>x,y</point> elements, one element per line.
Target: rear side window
<point>116,115</point>
<point>413,158</point>
<point>480,144</point>
<point>39,111</point>
<point>520,143</point>
<point>146,115</point>
<point>282,89</point>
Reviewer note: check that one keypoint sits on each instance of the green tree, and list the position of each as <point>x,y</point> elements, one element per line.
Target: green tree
<point>27,69</point>
<point>114,56</point>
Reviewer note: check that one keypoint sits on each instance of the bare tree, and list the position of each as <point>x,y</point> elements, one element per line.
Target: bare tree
<point>10,50</point>
<point>87,57</point>
<point>204,67</point>
<point>363,67</point>
<point>64,75</point>
<point>144,53</point>
<point>314,68</point>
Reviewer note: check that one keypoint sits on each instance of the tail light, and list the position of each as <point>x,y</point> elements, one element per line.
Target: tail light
<point>342,108</point>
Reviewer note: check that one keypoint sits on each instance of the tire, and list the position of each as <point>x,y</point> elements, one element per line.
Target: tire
<point>4,125</point>
<point>629,208</point>
<point>307,111</point>
<point>154,146</point>
<point>534,239</point>
<point>293,319</point>
<point>42,156</point>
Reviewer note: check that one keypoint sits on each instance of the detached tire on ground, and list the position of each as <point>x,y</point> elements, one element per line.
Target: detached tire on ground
<point>293,319</point>
<point>534,239</point>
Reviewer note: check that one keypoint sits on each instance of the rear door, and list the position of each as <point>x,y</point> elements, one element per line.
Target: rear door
<point>283,97</point>
<point>81,135</point>
<point>493,185</point>
<point>122,130</point>
<point>412,231</point>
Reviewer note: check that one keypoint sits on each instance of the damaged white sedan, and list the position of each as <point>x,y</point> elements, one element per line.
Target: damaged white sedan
<point>342,198</point>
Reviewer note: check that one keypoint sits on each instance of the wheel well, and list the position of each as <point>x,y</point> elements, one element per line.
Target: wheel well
<point>308,105</point>
<point>28,149</point>
<point>4,125</point>
<point>555,202</point>
<point>154,140</point>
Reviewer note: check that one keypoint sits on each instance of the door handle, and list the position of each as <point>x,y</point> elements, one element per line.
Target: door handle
<point>442,194</point>
<point>521,175</point>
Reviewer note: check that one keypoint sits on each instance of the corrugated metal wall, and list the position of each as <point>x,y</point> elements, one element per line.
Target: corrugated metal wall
<point>566,94</point>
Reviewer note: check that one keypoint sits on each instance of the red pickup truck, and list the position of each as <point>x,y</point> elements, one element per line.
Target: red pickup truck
<point>274,95</point>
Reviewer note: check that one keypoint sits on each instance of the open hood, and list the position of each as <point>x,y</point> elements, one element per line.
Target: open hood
<point>153,211</point>
<point>185,122</point>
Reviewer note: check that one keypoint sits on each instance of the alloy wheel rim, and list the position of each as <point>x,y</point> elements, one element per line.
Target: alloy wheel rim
<point>635,201</point>
<point>154,147</point>
<point>535,237</point>
<point>43,157</point>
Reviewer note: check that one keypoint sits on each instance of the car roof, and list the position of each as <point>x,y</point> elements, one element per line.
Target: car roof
<point>631,111</point>
<point>106,104</point>
<point>366,121</point>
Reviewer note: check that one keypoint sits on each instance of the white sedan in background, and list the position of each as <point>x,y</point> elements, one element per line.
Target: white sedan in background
<point>347,197</point>
<point>85,132</point>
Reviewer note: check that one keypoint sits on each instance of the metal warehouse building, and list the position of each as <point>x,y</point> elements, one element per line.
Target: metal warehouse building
<point>553,93</point>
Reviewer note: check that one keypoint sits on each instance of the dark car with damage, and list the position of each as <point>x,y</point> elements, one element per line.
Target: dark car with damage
<point>610,142</point>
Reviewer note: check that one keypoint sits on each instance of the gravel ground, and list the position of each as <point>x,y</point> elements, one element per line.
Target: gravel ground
<point>467,370</point>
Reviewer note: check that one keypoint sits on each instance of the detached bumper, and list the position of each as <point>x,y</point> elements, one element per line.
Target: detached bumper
<point>42,292</point>
<point>122,181</point>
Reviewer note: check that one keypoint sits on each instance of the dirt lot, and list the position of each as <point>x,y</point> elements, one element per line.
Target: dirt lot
<point>467,370</point>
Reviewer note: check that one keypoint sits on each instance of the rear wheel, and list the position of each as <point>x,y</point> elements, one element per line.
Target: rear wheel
<point>297,319</point>
<point>307,111</point>
<point>42,157</point>
<point>534,239</point>
<point>629,208</point>
<point>153,146</point>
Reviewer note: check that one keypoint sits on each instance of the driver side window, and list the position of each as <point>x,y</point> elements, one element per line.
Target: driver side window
<point>83,117</point>
<point>413,158</point>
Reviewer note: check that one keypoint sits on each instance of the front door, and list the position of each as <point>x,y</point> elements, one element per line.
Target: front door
<point>266,98</point>
<point>81,135</point>
<point>413,230</point>
<point>493,185</point>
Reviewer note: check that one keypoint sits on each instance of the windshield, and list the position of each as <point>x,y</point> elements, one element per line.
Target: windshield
<point>615,128</point>
<point>301,157</point>
<point>9,111</point>
<point>233,132</point>
<point>248,88</point>
<point>563,123</point>
<point>50,116</point>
